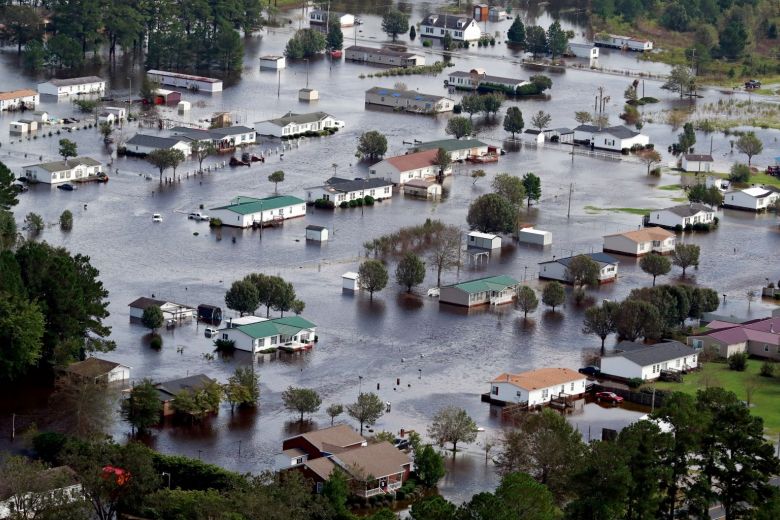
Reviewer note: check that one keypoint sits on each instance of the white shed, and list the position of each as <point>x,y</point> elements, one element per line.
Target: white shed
<point>694,162</point>
<point>537,237</point>
<point>273,62</point>
<point>308,94</point>
<point>483,240</point>
<point>316,233</point>
<point>40,116</point>
<point>350,281</point>
<point>18,127</point>
<point>184,106</point>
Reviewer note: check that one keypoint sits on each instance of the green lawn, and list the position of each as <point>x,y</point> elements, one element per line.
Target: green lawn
<point>765,401</point>
<point>670,187</point>
<point>633,211</point>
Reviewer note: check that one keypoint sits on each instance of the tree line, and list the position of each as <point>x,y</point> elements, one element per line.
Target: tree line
<point>256,289</point>
<point>499,212</point>
<point>536,40</point>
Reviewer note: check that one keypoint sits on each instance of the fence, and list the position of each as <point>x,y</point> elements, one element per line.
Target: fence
<point>654,399</point>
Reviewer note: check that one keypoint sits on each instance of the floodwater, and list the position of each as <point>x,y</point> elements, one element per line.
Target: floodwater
<point>441,356</point>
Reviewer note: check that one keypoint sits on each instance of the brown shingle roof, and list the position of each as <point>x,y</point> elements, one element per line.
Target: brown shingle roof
<point>17,94</point>
<point>143,302</point>
<point>334,438</point>
<point>541,378</point>
<point>646,234</point>
<point>322,467</point>
<point>377,460</point>
<point>413,161</point>
<point>92,367</point>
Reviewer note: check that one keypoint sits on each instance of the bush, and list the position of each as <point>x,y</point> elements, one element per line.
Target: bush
<point>678,228</point>
<point>156,342</point>
<point>225,345</point>
<point>427,43</point>
<point>738,362</point>
<point>359,202</point>
<point>579,296</point>
<point>353,203</point>
<point>48,446</point>
<point>625,151</point>
<point>368,200</point>
<point>635,382</point>
<point>344,204</point>
<point>655,172</point>
<point>457,109</point>
<point>215,222</point>
<point>768,369</point>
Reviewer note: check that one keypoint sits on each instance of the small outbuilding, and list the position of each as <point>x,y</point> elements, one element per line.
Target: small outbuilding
<point>208,312</point>
<point>424,188</point>
<point>533,236</point>
<point>166,97</point>
<point>694,162</point>
<point>350,281</point>
<point>19,127</point>
<point>184,106</point>
<point>40,116</point>
<point>483,240</point>
<point>273,62</point>
<point>308,94</point>
<point>98,370</point>
<point>316,233</point>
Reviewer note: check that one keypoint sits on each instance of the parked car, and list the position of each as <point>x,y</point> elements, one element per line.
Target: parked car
<point>402,444</point>
<point>590,370</point>
<point>209,332</point>
<point>157,218</point>
<point>19,188</point>
<point>609,397</point>
<point>752,84</point>
<point>198,216</point>
<point>66,187</point>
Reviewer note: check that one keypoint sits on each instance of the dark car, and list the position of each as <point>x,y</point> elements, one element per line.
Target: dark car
<point>751,84</point>
<point>402,444</point>
<point>19,188</point>
<point>609,397</point>
<point>66,187</point>
<point>590,370</point>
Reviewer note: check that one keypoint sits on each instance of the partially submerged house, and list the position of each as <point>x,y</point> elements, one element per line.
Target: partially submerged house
<point>757,198</point>
<point>459,27</point>
<point>537,387</point>
<point>558,268</point>
<point>340,190</point>
<point>696,162</point>
<point>423,188</point>
<point>537,237</point>
<point>476,78</point>
<point>143,144</point>
<point>383,56</point>
<point>759,338</point>
<point>187,81</point>
<point>637,361</point>
<point>409,100</point>
<point>247,212</point>
<point>55,172</point>
<point>323,17</point>
<point>683,216</point>
<point>628,43</point>
<point>289,332</point>
<point>98,370</point>
<point>614,138</point>
<point>54,486</point>
<point>167,391</point>
<point>403,168</point>
<point>170,310</point>
<point>24,99</point>
<point>294,125</point>
<point>483,240</point>
<point>72,86</point>
<point>490,290</point>
<point>459,149</point>
<point>641,242</point>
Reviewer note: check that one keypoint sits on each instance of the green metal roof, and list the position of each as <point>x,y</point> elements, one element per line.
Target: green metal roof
<point>450,145</point>
<point>490,283</point>
<point>288,326</point>
<point>247,205</point>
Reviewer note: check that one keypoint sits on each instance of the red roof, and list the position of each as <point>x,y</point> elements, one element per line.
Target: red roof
<point>765,330</point>
<point>414,161</point>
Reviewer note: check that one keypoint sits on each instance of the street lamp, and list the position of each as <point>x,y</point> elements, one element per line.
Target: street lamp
<point>166,474</point>
<point>360,385</point>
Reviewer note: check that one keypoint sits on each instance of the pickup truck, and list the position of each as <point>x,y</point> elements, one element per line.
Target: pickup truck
<point>198,216</point>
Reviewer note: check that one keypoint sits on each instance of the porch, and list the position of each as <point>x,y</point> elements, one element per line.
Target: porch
<point>379,486</point>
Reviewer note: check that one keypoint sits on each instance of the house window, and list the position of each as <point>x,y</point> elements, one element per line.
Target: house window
<point>519,393</point>
<point>387,189</point>
<point>677,363</point>
<point>766,348</point>
<point>571,389</point>
<point>494,390</point>
<point>225,336</point>
<point>261,342</point>
<point>274,339</point>
<point>545,393</point>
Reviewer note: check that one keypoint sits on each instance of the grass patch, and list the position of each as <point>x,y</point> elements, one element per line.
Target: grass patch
<point>763,402</point>
<point>763,178</point>
<point>670,187</point>
<point>679,199</point>
<point>632,211</point>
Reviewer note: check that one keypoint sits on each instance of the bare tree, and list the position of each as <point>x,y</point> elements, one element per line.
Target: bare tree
<point>751,296</point>
<point>445,251</point>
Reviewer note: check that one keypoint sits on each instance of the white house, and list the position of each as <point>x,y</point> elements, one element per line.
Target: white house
<point>120,113</point>
<point>634,360</point>
<point>751,199</point>
<point>614,138</point>
<point>292,125</point>
<point>143,144</point>
<point>320,17</point>
<point>623,42</point>
<point>723,185</point>
<point>537,387</point>
<point>558,269</point>
<point>641,242</point>
<point>170,310</point>
<point>99,370</point>
<point>473,79</point>
<point>493,290</point>
<point>460,27</point>
<point>73,86</point>
<point>694,162</point>
<point>61,171</point>
<point>483,240</point>
<point>59,485</point>
<point>273,62</point>
<point>459,149</point>
<point>383,56</point>
<point>583,50</point>
<point>684,215</point>
<point>316,233</point>
<point>106,117</point>
<point>231,136</point>
<point>17,99</point>
<point>409,100</point>
<point>341,190</point>
<point>246,212</point>
<point>293,332</point>
<point>40,116</point>
<point>19,127</point>
<point>188,81</point>
<point>403,168</point>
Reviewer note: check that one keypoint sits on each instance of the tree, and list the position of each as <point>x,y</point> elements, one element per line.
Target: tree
<point>541,82</point>
<point>442,160</point>
<point>243,388</point>
<point>600,320</point>
<point>412,33</point>
<point>162,159</point>
<point>557,39</point>
<point>685,256</point>
<point>198,403</point>
<point>459,127</point>
<point>444,253</point>
<point>276,177</point>
<point>533,187</point>
<point>687,138</point>
<point>372,145</point>
<point>23,324</point>
<point>373,276</point>
<point>535,40</point>
<point>242,297</point>
<point>152,318</point>
<point>491,103</point>
<point>553,295</point>
<point>650,158</point>
<point>202,150</point>
<point>510,187</point>
<point>8,232</point>
<point>600,483</point>
<point>334,411</point>
<point>85,407</point>
<point>447,42</point>
<point>142,408</point>
<point>476,175</point>
<point>733,38</point>
<point>66,220</point>
<point>336,490</point>
<point>472,104</point>
<point>583,117</point>
<point>21,24</point>
<point>541,120</point>
<point>305,43</point>
<point>516,33</point>
<point>366,410</point>
<point>492,213</point>
<point>7,191</point>
<point>34,223</point>
<point>282,295</point>
<point>301,400</point>
<point>526,300</point>
<point>710,196</point>
<point>297,307</point>
<point>410,271</point>
<point>513,120</point>
<point>583,270</point>
<point>335,38</point>
<point>34,56</point>
<point>655,265</point>
<point>452,424</point>
<point>430,466</point>
<point>68,149</point>
<point>750,145</point>
<point>681,79</point>
<point>433,508</point>
<point>394,22</point>
<point>740,173</point>
<point>635,319</point>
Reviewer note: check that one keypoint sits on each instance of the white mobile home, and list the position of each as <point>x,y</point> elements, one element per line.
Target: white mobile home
<point>401,169</point>
<point>634,360</point>
<point>246,212</point>
<point>752,199</point>
<point>73,86</point>
<point>459,149</point>
<point>321,17</point>
<point>142,144</point>
<point>170,310</point>
<point>615,138</point>
<point>641,242</point>
<point>694,162</point>
<point>18,127</point>
<point>293,125</point>
<point>409,100</point>
<point>475,78</point>
<point>383,56</point>
<point>483,240</point>
<point>62,171</point>
<point>537,387</point>
<point>460,28</point>
<point>99,370</point>
<point>292,332</point>
<point>583,50</point>
<point>493,290</point>
<point>340,190</point>
<point>18,99</point>
<point>188,81</point>
<point>623,42</point>
<point>424,188</point>
<point>684,215</point>
<point>558,269</point>
<point>533,236</point>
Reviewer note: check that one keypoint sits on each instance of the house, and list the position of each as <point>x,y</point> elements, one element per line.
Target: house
<point>289,332</point>
<point>460,27</point>
<point>493,290</point>
<point>537,237</point>
<point>583,50</point>
<point>246,212</point>
<point>170,310</point>
<point>63,171</point>
<point>641,242</point>
<point>695,162</point>
<point>24,99</point>
<point>481,12</point>
<point>383,56</point>
<point>401,169</point>
<point>483,240</point>
<point>756,198</point>
<point>95,369</point>
<point>409,100</point>
<point>459,149</point>
<point>615,138</point>
<point>186,81</point>
<point>167,391</point>
<point>558,269</point>
<point>166,97</point>
<point>623,42</point>
<point>106,117</point>
<point>232,136</point>
<point>143,144</point>
<point>537,387</point>
<point>497,14</point>
<point>56,486</point>
<point>73,86</point>
<point>120,113</point>
<point>350,281</point>
<point>476,78</point>
<point>325,442</point>
<point>424,188</point>
<point>40,116</point>
<point>554,135</point>
<point>273,62</point>
<point>308,94</point>
<point>683,216</point>
<point>637,361</point>
<point>723,185</point>
<point>341,190</point>
<point>321,17</point>
<point>294,125</point>
<point>759,338</point>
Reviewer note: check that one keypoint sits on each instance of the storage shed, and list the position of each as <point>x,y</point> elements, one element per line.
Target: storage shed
<point>184,106</point>
<point>537,237</point>
<point>273,62</point>
<point>350,281</point>
<point>316,233</point>
<point>166,97</point>
<point>18,127</point>
<point>483,240</point>
<point>209,312</point>
<point>422,188</point>
<point>308,94</point>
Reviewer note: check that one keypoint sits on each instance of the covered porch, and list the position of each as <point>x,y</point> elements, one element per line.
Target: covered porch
<point>378,486</point>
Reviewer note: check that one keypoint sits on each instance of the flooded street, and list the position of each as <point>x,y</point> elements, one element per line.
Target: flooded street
<point>441,356</point>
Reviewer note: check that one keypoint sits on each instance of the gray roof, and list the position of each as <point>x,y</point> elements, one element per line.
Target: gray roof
<point>485,77</point>
<point>154,141</point>
<point>688,210</point>
<point>602,258</point>
<point>644,355</point>
<point>448,20</point>
<point>143,302</point>
<point>586,128</point>
<point>196,134</point>
<point>698,157</point>
<point>169,389</point>
<point>348,185</point>
<point>621,132</point>
<point>289,117</point>
<point>59,166</point>
<point>74,81</point>
<point>405,94</point>
<point>232,130</point>
<point>381,52</point>
<point>316,228</point>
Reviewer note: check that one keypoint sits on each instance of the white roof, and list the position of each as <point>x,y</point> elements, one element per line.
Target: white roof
<point>350,275</point>
<point>534,231</point>
<point>482,235</point>
<point>245,320</point>
<point>755,192</point>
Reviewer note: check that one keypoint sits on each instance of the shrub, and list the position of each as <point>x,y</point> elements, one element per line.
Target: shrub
<point>344,204</point>
<point>215,222</point>
<point>625,151</point>
<point>359,202</point>
<point>457,109</point>
<point>225,345</point>
<point>579,296</point>
<point>655,172</point>
<point>368,200</point>
<point>49,445</point>
<point>649,146</point>
<point>353,203</point>
<point>400,494</point>
<point>678,228</point>
<point>768,369</point>
<point>738,362</point>
<point>156,342</point>
<point>634,382</point>
<point>427,43</point>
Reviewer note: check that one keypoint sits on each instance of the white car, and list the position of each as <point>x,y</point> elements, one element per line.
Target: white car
<point>209,332</point>
<point>157,218</point>
<point>198,216</point>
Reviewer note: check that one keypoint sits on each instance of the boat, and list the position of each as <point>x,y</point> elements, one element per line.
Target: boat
<point>336,54</point>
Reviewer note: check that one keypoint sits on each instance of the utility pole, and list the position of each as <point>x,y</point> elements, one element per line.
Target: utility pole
<point>568,209</point>
<point>13,427</point>
<point>278,84</point>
